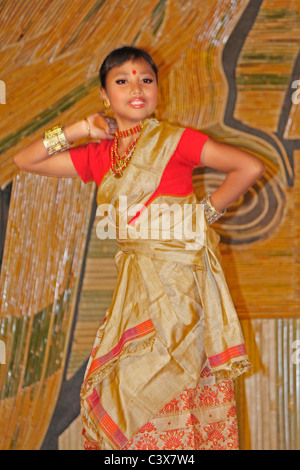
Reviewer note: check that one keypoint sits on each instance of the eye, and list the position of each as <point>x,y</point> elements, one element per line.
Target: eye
<point>121,81</point>
<point>147,80</point>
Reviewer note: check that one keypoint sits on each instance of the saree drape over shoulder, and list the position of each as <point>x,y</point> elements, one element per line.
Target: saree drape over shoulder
<point>171,312</point>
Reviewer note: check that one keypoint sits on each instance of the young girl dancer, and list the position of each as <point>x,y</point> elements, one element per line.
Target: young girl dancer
<point>160,373</point>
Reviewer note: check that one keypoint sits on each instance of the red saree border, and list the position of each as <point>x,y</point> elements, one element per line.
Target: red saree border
<point>105,421</point>
<point>225,356</point>
<point>132,333</point>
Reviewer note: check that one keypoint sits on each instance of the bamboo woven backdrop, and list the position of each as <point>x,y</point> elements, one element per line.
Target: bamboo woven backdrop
<point>226,68</point>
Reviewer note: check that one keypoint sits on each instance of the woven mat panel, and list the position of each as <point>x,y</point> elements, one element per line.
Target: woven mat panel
<point>43,255</point>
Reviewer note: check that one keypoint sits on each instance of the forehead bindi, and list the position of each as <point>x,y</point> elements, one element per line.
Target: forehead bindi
<point>132,69</point>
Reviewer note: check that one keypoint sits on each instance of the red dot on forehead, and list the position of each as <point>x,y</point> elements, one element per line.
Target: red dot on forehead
<point>134,72</point>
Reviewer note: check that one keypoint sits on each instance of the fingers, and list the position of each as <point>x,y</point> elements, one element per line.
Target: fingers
<point>100,121</point>
<point>111,127</point>
<point>111,122</point>
<point>103,124</point>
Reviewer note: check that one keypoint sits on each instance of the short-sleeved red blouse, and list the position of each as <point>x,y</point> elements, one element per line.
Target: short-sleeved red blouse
<point>92,162</point>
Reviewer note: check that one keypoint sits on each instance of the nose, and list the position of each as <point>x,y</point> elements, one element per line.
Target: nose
<point>136,88</point>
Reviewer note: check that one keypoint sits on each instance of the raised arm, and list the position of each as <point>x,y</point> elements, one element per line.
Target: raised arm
<point>242,170</point>
<point>35,159</point>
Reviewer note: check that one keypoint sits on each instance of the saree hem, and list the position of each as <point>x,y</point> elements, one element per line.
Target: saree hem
<point>200,418</point>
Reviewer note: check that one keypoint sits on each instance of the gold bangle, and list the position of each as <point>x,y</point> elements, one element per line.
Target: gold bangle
<point>89,127</point>
<point>55,140</point>
<point>208,198</point>
<point>211,213</point>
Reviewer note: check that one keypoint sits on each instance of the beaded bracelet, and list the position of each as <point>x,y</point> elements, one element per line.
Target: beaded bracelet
<point>210,211</point>
<point>55,140</point>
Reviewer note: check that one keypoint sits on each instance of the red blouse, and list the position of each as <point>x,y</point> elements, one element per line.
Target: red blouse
<point>92,162</point>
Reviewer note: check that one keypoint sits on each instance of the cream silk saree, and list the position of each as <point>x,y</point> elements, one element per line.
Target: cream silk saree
<point>171,312</point>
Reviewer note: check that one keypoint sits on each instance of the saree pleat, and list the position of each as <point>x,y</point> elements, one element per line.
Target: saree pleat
<point>171,311</point>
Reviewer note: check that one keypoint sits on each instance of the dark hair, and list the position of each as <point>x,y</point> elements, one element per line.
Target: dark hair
<point>121,55</point>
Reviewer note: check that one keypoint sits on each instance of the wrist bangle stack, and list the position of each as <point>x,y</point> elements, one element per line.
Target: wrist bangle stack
<point>55,140</point>
<point>88,127</point>
<point>210,211</point>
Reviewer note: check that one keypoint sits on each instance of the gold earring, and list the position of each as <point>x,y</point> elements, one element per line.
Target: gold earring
<point>106,103</point>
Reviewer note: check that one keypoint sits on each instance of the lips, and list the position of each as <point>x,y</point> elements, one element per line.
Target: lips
<point>137,103</point>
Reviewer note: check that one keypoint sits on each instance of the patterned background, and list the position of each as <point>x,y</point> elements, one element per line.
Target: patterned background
<point>226,68</point>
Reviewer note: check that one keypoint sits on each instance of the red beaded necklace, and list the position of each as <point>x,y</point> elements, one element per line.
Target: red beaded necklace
<point>119,163</point>
<point>129,132</point>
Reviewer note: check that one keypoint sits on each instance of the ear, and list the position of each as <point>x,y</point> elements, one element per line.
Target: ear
<point>103,94</point>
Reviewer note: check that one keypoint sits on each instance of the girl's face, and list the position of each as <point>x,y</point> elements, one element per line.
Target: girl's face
<point>132,92</point>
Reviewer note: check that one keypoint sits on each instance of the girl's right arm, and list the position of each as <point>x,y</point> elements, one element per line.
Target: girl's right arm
<point>35,159</point>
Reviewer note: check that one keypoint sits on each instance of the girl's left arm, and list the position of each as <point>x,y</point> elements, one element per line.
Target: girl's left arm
<point>241,168</point>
